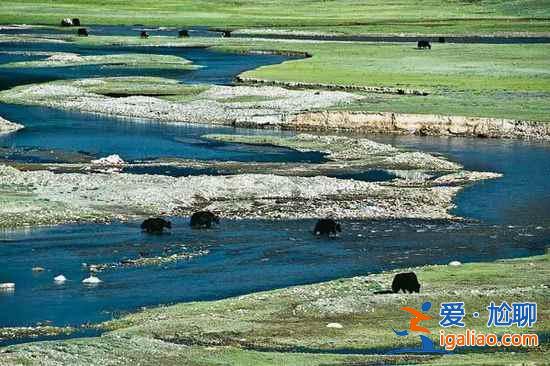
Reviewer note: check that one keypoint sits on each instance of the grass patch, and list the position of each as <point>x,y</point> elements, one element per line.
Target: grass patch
<point>165,88</point>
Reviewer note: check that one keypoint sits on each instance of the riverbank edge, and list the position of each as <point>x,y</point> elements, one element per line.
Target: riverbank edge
<point>419,124</point>
<point>240,79</point>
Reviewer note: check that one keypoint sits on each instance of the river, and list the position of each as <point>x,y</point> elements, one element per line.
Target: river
<point>508,217</point>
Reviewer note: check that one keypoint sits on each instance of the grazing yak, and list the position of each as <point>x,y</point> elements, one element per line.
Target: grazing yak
<point>155,225</point>
<point>326,227</point>
<point>406,282</point>
<point>184,33</point>
<point>82,32</point>
<point>424,44</point>
<point>144,34</point>
<point>76,22</point>
<point>203,220</point>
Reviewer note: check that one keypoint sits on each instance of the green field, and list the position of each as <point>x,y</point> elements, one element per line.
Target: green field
<point>289,326</point>
<point>342,16</point>
<point>480,80</point>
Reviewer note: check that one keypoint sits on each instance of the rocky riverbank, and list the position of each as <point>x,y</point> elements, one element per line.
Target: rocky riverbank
<point>43,197</point>
<point>349,88</point>
<point>420,124</point>
<point>142,61</point>
<point>238,106</point>
<point>246,106</point>
<point>349,152</point>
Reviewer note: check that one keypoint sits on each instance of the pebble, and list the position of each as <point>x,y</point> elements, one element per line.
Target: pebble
<point>60,279</point>
<point>37,269</point>
<point>335,325</point>
<point>455,263</point>
<point>91,280</point>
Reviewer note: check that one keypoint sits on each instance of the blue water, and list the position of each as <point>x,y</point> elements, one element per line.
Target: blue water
<point>251,255</point>
<point>114,30</point>
<point>521,196</point>
<point>216,67</point>
<point>245,256</point>
<point>101,135</point>
<point>97,135</point>
<point>511,213</point>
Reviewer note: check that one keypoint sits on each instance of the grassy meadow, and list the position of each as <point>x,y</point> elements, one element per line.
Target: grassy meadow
<point>341,16</point>
<point>479,80</point>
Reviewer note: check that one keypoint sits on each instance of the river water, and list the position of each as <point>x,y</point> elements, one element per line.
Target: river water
<point>509,216</point>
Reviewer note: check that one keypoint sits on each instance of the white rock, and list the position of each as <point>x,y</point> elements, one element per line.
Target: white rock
<point>335,325</point>
<point>37,269</point>
<point>60,279</point>
<point>109,160</point>
<point>455,263</point>
<point>7,286</point>
<point>91,280</point>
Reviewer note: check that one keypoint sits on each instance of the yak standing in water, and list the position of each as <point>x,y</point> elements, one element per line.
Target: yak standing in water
<point>155,225</point>
<point>406,282</point>
<point>326,227</point>
<point>203,220</point>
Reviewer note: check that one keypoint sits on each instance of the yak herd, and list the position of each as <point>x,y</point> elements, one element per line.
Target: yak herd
<point>184,33</point>
<point>406,282</point>
<point>205,219</point>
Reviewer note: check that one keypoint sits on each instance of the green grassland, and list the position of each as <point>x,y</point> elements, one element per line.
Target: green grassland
<point>507,81</point>
<point>289,326</point>
<point>345,16</point>
<point>481,80</point>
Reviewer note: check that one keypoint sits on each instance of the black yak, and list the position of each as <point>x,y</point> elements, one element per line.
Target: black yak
<point>203,220</point>
<point>424,44</point>
<point>155,225</point>
<point>326,227</point>
<point>406,282</point>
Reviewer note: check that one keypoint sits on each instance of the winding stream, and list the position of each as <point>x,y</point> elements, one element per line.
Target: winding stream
<point>510,215</point>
